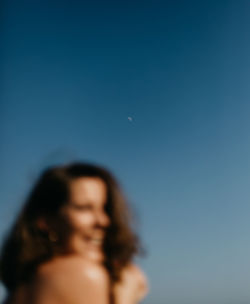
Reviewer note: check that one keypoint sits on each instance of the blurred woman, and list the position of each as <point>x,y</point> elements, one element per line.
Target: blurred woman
<point>73,243</point>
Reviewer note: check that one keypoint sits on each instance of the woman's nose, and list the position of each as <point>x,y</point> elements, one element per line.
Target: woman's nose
<point>102,219</point>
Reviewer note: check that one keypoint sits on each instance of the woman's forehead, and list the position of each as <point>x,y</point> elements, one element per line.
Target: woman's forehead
<point>88,189</point>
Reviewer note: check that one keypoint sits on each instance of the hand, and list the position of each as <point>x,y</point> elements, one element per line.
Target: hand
<point>132,287</point>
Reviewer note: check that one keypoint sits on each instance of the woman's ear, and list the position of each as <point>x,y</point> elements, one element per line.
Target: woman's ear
<point>42,224</point>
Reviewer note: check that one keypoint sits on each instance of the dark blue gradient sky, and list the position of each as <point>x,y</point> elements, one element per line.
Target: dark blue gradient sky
<point>74,71</point>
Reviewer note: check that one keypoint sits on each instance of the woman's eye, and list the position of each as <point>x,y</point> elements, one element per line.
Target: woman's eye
<point>83,207</point>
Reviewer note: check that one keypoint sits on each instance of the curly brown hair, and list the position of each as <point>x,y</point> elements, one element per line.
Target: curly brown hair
<point>27,246</point>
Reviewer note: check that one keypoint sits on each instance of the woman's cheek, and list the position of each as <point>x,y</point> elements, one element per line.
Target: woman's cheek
<point>82,220</point>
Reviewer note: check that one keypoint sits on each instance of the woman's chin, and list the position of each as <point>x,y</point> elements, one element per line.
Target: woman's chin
<point>88,251</point>
<point>95,256</point>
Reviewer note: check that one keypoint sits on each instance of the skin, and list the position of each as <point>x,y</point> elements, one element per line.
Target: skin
<point>77,276</point>
<point>87,219</point>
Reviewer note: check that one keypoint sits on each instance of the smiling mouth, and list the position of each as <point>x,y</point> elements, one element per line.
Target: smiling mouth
<point>96,242</point>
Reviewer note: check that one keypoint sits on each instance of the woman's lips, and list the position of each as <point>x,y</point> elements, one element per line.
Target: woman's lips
<point>96,242</point>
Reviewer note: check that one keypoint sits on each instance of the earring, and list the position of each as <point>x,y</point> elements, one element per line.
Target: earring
<point>53,236</point>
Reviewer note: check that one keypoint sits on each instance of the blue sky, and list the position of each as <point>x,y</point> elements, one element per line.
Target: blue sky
<point>74,71</point>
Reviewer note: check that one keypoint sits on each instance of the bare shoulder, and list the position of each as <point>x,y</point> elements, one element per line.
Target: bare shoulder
<point>72,266</point>
<point>74,280</point>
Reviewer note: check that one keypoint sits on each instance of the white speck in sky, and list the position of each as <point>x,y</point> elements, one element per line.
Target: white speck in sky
<point>130,118</point>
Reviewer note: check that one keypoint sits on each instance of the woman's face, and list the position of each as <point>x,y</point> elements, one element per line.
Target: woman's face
<point>86,218</point>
